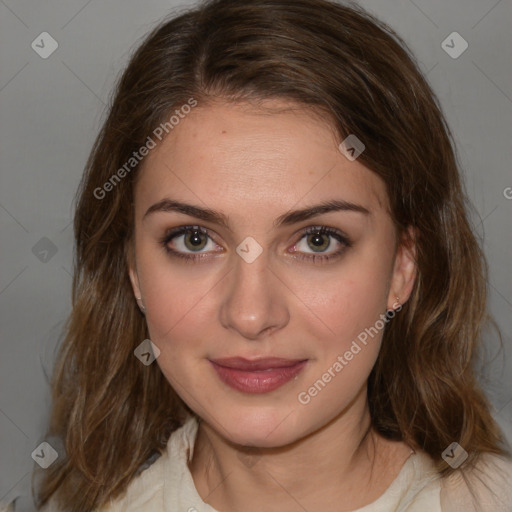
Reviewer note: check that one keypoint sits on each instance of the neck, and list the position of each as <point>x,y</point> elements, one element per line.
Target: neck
<point>338,467</point>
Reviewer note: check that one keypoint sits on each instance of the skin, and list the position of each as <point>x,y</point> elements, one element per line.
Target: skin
<point>254,165</point>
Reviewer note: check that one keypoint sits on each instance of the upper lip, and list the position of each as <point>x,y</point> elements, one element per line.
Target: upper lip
<point>239,363</point>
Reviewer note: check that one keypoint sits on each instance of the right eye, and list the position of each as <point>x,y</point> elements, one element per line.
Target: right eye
<point>188,241</point>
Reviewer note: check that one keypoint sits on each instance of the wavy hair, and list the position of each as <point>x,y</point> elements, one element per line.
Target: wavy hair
<point>111,412</point>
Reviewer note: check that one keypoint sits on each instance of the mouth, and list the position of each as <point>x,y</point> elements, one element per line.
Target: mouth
<point>258,375</point>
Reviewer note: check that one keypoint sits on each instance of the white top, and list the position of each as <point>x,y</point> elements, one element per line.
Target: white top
<point>167,485</point>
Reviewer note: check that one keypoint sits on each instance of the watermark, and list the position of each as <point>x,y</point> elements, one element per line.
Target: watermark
<point>44,45</point>
<point>454,45</point>
<point>454,455</point>
<point>45,455</point>
<point>304,397</point>
<point>147,352</point>
<point>352,147</point>
<point>249,249</point>
<point>44,250</point>
<point>250,455</point>
<point>158,133</point>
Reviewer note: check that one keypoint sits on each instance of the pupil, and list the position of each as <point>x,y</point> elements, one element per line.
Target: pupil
<point>194,240</point>
<point>318,241</point>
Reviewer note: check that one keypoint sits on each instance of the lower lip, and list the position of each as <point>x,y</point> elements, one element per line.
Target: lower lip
<point>262,381</point>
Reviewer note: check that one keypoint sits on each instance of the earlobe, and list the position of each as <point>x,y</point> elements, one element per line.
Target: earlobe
<point>134,279</point>
<point>132,270</point>
<point>405,269</point>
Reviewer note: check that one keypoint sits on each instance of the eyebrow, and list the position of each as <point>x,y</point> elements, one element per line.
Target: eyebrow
<point>291,217</point>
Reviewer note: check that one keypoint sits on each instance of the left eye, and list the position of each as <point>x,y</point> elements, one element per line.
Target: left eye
<point>319,240</point>
<point>188,238</point>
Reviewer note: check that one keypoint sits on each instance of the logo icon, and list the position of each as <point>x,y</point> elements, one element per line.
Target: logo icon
<point>147,352</point>
<point>45,455</point>
<point>44,250</point>
<point>454,45</point>
<point>250,455</point>
<point>454,455</point>
<point>44,45</point>
<point>249,249</point>
<point>352,147</point>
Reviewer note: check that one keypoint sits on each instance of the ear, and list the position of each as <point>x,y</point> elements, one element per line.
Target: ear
<point>404,270</point>
<point>132,268</point>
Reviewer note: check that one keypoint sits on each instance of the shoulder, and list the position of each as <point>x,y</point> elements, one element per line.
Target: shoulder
<point>487,487</point>
<point>145,493</point>
<point>141,495</point>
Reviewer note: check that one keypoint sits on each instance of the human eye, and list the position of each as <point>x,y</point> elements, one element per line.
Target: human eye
<point>320,239</point>
<point>195,239</point>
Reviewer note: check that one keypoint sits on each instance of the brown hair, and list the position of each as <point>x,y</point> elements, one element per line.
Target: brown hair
<point>111,411</point>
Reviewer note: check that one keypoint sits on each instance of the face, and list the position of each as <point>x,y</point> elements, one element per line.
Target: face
<point>234,259</point>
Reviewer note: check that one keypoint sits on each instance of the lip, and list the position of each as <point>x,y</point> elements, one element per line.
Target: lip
<point>257,375</point>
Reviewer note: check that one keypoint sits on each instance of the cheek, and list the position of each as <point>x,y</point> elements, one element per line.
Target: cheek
<point>175,294</point>
<point>350,309</point>
<point>345,301</point>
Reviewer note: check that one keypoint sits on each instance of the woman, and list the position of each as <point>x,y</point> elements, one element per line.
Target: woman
<point>277,297</point>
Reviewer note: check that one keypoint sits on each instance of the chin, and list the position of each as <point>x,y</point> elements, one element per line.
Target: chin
<point>263,427</point>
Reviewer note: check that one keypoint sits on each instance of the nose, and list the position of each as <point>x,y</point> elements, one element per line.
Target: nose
<point>254,300</point>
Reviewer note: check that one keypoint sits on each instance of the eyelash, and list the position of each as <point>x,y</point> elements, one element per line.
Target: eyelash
<point>313,230</point>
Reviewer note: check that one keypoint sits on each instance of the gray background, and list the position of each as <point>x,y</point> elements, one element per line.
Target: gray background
<point>51,110</point>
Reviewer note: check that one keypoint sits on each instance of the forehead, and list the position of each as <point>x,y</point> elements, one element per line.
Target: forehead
<point>274,156</point>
